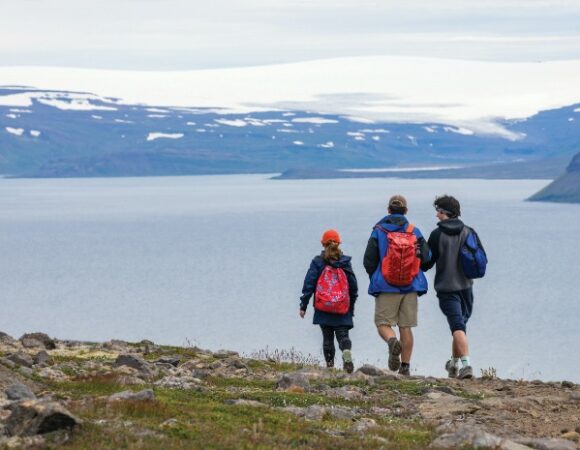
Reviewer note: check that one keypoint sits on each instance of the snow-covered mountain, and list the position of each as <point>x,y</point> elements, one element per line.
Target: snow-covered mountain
<point>341,113</point>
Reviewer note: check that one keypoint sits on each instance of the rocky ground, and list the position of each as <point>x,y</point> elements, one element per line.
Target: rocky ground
<point>66,394</point>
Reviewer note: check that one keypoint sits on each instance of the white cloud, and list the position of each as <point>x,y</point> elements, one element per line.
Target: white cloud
<point>156,34</point>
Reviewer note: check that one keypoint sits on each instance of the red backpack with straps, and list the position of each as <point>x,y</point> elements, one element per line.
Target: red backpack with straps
<point>332,293</point>
<point>400,264</point>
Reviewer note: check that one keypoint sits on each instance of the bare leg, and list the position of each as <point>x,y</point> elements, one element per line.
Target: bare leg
<point>406,343</point>
<point>460,347</point>
<point>386,332</point>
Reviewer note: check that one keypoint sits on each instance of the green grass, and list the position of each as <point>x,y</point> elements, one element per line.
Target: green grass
<point>205,420</point>
<point>166,350</point>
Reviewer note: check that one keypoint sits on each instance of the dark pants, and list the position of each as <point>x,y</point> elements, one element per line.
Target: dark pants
<point>457,307</point>
<point>328,333</point>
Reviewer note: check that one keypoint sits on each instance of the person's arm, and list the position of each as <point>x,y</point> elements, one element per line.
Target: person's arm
<point>433,245</point>
<point>424,253</point>
<point>424,250</point>
<point>309,286</point>
<point>372,256</point>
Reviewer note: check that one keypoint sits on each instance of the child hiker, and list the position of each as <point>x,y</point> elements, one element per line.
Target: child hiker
<point>331,280</point>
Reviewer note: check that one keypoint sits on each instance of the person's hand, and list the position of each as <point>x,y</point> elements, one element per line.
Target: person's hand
<point>302,313</point>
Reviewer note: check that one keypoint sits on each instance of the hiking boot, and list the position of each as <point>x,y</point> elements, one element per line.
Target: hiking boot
<point>394,354</point>
<point>451,369</point>
<point>330,364</point>
<point>347,364</point>
<point>465,372</point>
<point>405,370</point>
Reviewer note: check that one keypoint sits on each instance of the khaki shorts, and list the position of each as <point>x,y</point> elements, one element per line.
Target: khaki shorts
<point>396,309</point>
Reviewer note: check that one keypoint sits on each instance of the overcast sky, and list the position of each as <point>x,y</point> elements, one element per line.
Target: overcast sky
<point>192,34</point>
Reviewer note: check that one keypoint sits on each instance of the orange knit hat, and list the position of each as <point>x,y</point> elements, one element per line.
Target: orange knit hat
<point>330,235</point>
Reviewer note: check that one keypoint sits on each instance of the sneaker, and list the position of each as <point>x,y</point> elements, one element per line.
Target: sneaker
<point>394,354</point>
<point>465,372</point>
<point>451,369</point>
<point>405,370</point>
<point>347,364</point>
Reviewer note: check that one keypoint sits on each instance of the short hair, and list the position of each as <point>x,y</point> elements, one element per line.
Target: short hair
<point>397,205</point>
<point>449,205</point>
<point>397,210</point>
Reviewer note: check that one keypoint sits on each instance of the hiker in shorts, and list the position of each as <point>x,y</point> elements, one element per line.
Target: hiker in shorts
<point>392,260</point>
<point>331,280</point>
<point>453,287</point>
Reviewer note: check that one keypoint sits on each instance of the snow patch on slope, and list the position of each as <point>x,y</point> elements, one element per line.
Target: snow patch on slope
<point>158,135</point>
<point>15,131</point>
<point>473,95</point>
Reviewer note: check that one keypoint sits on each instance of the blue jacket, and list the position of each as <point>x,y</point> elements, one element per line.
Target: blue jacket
<point>376,250</point>
<point>314,272</point>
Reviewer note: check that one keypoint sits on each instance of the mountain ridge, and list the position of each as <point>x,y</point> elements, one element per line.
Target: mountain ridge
<point>565,188</point>
<point>65,134</point>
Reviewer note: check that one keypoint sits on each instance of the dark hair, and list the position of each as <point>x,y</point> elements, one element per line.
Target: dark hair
<point>450,205</point>
<point>397,210</point>
<point>331,251</point>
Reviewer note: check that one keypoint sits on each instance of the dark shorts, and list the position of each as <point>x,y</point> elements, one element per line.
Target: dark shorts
<point>457,307</point>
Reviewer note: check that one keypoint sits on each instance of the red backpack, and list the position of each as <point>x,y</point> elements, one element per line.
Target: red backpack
<point>332,293</point>
<point>400,264</point>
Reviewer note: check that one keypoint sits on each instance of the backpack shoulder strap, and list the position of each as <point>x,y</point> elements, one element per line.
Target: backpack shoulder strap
<point>378,227</point>
<point>410,228</point>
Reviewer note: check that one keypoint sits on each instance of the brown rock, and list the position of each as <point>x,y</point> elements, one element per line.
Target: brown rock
<point>571,436</point>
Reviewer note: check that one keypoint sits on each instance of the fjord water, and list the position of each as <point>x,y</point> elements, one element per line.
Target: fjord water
<point>218,261</point>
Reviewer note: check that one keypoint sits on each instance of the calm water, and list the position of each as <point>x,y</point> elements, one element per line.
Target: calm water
<point>219,261</point>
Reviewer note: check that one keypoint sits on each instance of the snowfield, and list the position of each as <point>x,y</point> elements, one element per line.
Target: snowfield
<point>468,95</point>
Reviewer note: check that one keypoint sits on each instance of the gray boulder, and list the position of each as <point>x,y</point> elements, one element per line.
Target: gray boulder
<point>314,412</point>
<point>244,402</point>
<point>6,338</point>
<point>116,344</point>
<point>548,444</point>
<point>31,343</point>
<point>31,417</point>
<point>293,380</point>
<point>42,357</point>
<point>235,362</point>
<point>21,359</point>
<point>8,363</point>
<point>134,361</point>
<point>146,395</point>
<point>26,371</point>
<point>364,424</point>
<point>474,437</point>
<point>342,412</point>
<point>371,370</point>
<point>46,340</point>
<point>223,354</point>
<point>19,391</point>
<point>173,360</point>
